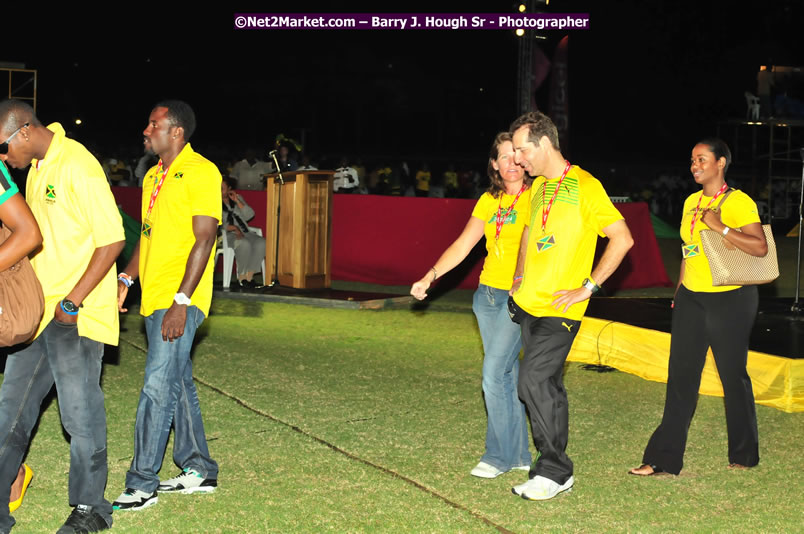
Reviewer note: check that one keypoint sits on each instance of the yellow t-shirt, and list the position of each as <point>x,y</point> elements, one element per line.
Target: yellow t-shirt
<point>71,200</point>
<point>498,272</point>
<point>451,179</point>
<point>738,210</point>
<point>562,256</point>
<point>423,180</point>
<point>192,187</point>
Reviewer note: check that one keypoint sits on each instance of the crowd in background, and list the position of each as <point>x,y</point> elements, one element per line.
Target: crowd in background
<point>663,189</point>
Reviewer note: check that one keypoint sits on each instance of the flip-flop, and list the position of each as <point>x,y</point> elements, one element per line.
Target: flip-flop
<point>656,470</point>
<point>738,466</point>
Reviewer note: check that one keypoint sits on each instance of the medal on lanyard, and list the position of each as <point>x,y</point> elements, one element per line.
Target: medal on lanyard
<point>692,250</point>
<point>548,241</point>
<point>500,220</point>
<point>146,223</point>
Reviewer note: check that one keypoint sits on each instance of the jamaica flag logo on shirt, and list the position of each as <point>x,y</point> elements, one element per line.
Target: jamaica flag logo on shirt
<point>545,243</point>
<point>50,194</point>
<point>690,251</point>
<point>178,175</point>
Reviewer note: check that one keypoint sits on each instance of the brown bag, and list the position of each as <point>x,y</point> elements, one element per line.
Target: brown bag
<point>21,300</point>
<point>730,266</point>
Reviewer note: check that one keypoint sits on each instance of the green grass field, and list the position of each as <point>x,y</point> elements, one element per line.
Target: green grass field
<point>357,421</point>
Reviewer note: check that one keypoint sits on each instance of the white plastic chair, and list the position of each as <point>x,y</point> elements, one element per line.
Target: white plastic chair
<point>229,257</point>
<point>752,102</point>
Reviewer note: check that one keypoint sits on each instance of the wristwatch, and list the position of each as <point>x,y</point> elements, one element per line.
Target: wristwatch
<point>591,286</point>
<point>181,299</point>
<point>69,307</point>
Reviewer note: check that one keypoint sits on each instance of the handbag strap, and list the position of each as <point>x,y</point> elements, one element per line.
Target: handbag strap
<point>729,191</point>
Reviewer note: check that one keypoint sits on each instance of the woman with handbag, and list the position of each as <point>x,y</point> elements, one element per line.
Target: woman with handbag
<point>500,214</point>
<point>21,236</point>
<point>706,315</point>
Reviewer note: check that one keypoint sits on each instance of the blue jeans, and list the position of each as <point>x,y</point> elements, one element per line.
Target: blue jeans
<point>59,355</point>
<point>168,398</point>
<point>507,431</point>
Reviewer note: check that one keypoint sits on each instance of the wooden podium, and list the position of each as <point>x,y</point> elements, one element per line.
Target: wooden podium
<point>300,209</point>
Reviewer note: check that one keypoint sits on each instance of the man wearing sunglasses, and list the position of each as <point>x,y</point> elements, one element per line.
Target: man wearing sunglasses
<point>82,235</point>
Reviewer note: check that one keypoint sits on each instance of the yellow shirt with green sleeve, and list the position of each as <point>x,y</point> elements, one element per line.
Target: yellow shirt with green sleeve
<point>561,256</point>
<point>737,211</point>
<point>498,270</point>
<point>76,212</point>
<point>192,186</point>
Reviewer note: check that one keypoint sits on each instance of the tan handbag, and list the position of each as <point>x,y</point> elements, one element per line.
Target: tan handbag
<point>730,266</point>
<point>21,301</point>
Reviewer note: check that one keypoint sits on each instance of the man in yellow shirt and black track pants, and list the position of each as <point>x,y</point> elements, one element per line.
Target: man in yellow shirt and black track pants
<point>82,235</point>
<point>174,259</point>
<point>569,209</point>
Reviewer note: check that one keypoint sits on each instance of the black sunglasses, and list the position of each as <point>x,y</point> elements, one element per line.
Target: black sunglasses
<point>4,144</point>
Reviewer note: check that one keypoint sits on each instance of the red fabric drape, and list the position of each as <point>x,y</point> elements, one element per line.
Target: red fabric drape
<point>395,240</point>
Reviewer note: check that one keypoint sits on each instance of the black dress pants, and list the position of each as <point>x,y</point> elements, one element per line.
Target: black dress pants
<point>700,320</point>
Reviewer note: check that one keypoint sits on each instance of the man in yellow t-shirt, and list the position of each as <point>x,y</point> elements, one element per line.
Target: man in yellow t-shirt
<point>181,210</point>
<point>569,209</point>
<point>82,235</point>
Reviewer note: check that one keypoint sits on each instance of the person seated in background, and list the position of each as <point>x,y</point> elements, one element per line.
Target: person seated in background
<point>249,248</point>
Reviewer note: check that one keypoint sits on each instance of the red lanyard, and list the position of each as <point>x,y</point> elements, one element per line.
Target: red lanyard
<point>501,220</point>
<point>157,188</point>
<point>695,215</point>
<point>546,208</point>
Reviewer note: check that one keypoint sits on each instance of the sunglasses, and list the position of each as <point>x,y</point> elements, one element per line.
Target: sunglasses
<point>4,144</point>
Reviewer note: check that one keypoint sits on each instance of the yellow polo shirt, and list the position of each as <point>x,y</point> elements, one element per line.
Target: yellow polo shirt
<point>192,187</point>
<point>71,200</point>
<point>561,256</point>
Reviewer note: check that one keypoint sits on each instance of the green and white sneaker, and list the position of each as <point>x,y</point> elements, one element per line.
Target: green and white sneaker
<point>189,481</point>
<point>134,499</point>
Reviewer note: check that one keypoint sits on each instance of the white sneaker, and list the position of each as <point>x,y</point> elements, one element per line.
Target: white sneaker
<point>188,481</point>
<point>484,470</point>
<point>540,488</point>
<point>521,468</point>
<point>134,499</point>
<point>519,488</point>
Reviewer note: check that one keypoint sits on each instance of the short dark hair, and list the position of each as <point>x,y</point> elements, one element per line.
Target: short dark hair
<point>539,125</point>
<point>231,182</point>
<point>15,113</point>
<point>179,114</point>
<point>719,148</point>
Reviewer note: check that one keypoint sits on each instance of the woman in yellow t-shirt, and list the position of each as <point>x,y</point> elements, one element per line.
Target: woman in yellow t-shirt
<point>500,214</point>
<point>705,315</point>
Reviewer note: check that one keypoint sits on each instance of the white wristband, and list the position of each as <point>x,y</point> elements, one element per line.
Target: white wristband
<point>726,230</point>
<point>181,299</point>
